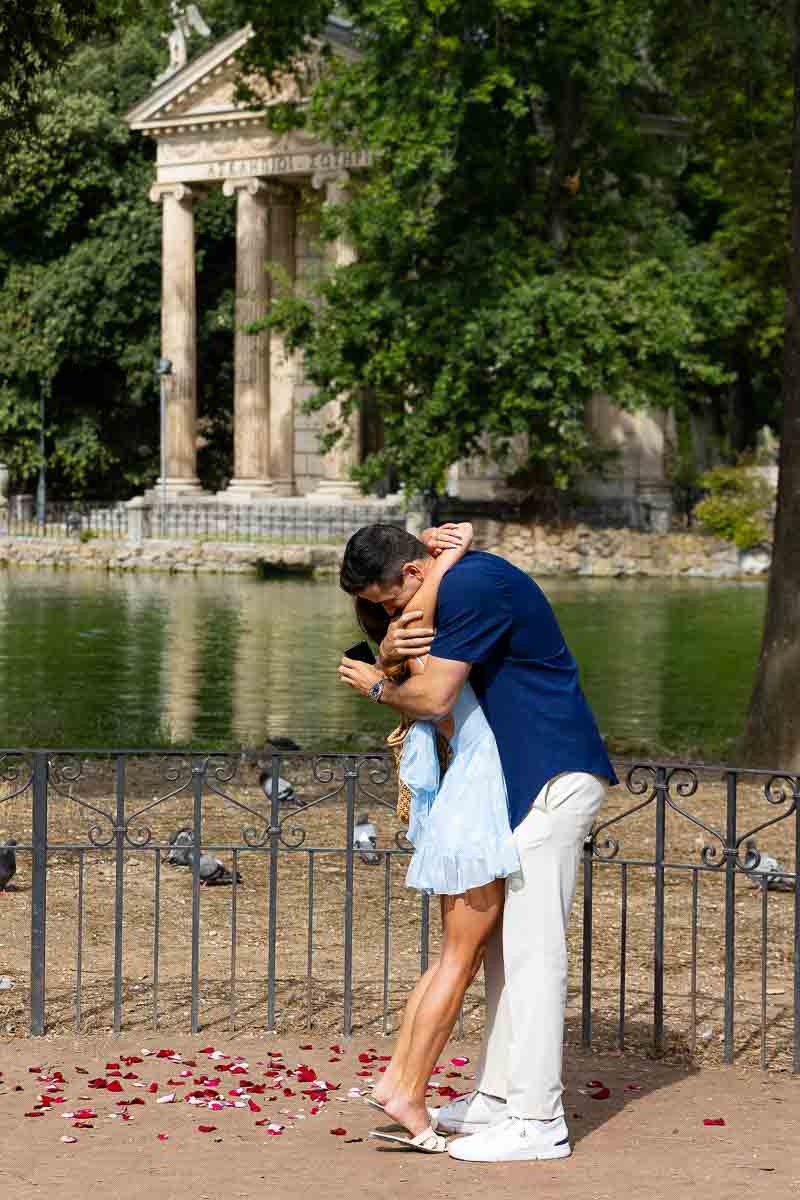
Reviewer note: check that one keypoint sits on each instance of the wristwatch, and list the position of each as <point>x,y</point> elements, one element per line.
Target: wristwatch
<point>376,691</point>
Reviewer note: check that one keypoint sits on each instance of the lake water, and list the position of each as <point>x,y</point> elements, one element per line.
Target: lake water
<point>219,661</point>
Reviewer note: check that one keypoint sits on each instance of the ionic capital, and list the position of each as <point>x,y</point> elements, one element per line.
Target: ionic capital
<point>335,182</point>
<point>178,191</point>
<point>262,189</point>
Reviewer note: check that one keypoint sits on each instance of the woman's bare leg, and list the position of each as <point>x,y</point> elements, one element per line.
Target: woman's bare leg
<point>468,921</point>
<point>388,1082</point>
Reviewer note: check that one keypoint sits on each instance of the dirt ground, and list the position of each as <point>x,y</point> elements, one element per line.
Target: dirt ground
<point>232,991</point>
<point>647,1137</point>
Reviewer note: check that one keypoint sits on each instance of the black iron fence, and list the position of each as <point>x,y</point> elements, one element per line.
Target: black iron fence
<point>197,889</point>
<point>280,521</point>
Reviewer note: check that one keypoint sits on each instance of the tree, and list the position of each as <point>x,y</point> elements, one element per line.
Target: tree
<point>80,284</point>
<point>734,66</point>
<point>518,244</point>
<point>772,732</point>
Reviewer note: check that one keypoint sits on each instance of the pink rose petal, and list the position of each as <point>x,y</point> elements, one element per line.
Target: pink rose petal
<point>459,1062</point>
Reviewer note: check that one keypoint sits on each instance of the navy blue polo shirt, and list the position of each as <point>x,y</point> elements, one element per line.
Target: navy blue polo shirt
<point>493,615</point>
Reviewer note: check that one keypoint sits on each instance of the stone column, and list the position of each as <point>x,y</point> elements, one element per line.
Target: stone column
<point>179,336</point>
<point>251,475</point>
<point>282,364</point>
<point>337,483</point>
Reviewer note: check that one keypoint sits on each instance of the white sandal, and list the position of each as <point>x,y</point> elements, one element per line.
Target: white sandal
<point>428,1142</point>
<point>380,1107</point>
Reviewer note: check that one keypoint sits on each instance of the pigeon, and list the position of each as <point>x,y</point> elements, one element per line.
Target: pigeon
<point>180,847</point>
<point>213,871</point>
<point>763,868</point>
<point>365,839</point>
<point>286,793</point>
<point>8,863</point>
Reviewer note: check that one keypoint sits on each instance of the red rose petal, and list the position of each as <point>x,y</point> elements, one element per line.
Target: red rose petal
<point>251,1104</point>
<point>206,1128</point>
<point>39,1113</point>
<point>306,1047</point>
<point>115,1086</point>
<point>595,1083</point>
<point>601,1094</point>
<point>633,1087</point>
<point>206,1050</point>
<point>163,1137</point>
<point>713,1121</point>
<point>153,1088</point>
<point>459,1062</point>
<point>82,1125</point>
<point>338,1131</point>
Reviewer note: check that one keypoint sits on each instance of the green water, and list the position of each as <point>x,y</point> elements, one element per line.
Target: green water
<point>145,660</point>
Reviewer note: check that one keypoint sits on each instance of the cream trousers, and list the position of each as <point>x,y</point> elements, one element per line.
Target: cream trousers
<point>526,959</point>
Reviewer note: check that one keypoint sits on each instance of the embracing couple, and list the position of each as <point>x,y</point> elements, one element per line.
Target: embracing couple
<point>498,836</point>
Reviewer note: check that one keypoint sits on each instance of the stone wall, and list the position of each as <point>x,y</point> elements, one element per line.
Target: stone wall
<point>583,550</point>
<point>538,549</point>
<point>172,557</point>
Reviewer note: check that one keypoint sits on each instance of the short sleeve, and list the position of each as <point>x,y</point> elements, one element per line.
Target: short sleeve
<point>473,615</point>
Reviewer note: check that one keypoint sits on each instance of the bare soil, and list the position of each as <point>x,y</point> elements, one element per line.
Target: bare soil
<point>309,964</point>
<point>647,1137</point>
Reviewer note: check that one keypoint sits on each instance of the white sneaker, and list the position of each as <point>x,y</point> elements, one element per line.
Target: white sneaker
<point>470,1114</point>
<point>514,1139</point>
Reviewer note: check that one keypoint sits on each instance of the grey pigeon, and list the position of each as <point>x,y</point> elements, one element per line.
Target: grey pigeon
<point>365,840</point>
<point>213,871</point>
<point>767,869</point>
<point>8,863</point>
<point>180,847</point>
<point>286,793</point>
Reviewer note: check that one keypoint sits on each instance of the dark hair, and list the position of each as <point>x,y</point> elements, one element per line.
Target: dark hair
<point>375,554</point>
<point>372,618</point>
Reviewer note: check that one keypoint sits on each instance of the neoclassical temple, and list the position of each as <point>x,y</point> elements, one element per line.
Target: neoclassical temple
<point>205,139</point>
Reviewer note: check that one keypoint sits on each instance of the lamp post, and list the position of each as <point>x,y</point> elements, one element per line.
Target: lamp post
<point>163,371</point>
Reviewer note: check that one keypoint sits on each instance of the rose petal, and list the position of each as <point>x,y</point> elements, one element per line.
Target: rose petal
<point>633,1087</point>
<point>153,1088</point>
<point>82,1125</point>
<point>251,1104</point>
<point>206,1128</point>
<point>168,1099</point>
<point>115,1086</point>
<point>206,1050</point>
<point>338,1131</point>
<point>713,1121</point>
<point>306,1047</point>
<point>163,1137</point>
<point>67,1138</point>
<point>459,1062</point>
<point>601,1094</point>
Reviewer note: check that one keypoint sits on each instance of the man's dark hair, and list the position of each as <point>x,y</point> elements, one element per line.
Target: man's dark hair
<point>375,554</point>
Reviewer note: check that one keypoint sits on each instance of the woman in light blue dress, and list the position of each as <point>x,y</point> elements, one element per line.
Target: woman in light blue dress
<point>463,852</point>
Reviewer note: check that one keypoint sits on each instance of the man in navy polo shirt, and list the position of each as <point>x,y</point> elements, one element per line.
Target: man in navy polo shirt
<point>496,627</point>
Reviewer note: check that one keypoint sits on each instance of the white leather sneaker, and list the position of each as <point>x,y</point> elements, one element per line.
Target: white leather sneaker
<point>470,1113</point>
<point>514,1139</point>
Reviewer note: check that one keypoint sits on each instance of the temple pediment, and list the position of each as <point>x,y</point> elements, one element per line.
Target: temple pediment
<point>202,93</point>
<point>204,134</point>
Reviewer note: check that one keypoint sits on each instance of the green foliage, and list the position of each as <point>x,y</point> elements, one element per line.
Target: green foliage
<point>80,285</point>
<point>737,506</point>
<point>518,245</point>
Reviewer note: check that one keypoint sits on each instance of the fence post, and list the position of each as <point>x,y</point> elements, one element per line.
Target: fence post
<point>658,940</point>
<point>138,510</point>
<point>272,919</point>
<point>198,778</point>
<point>351,777</point>
<point>119,888</point>
<point>586,988</point>
<point>796,1061</point>
<point>730,912</point>
<point>38,893</point>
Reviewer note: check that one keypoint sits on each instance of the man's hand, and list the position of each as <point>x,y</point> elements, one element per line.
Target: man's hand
<point>359,675</point>
<point>442,537</point>
<point>400,643</point>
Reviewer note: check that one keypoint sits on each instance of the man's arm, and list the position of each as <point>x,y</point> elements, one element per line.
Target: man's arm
<point>429,696</point>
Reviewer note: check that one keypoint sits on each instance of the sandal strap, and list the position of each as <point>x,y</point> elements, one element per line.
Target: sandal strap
<point>429,1139</point>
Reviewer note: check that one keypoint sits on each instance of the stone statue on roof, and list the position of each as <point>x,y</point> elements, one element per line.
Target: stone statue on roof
<point>186,17</point>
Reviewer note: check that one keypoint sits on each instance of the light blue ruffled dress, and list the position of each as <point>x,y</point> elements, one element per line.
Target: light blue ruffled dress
<point>459,830</point>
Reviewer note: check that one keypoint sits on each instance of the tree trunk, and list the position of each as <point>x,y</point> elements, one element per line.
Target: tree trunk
<point>772,733</point>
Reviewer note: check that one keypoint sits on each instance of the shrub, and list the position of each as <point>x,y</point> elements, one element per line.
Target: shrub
<point>737,506</point>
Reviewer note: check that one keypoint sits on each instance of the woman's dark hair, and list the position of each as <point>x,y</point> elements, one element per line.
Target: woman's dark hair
<point>375,554</point>
<point>373,619</point>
